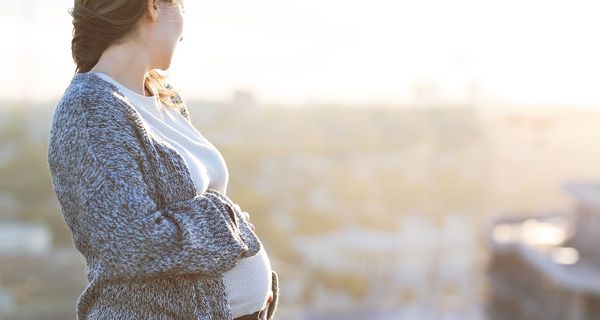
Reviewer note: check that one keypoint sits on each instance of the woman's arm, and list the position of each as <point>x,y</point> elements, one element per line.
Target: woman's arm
<point>95,161</point>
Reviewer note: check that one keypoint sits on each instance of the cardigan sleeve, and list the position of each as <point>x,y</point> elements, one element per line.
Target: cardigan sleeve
<point>276,295</point>
<point>123,228</point>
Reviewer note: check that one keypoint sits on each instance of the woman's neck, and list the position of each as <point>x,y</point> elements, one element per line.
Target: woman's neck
<point>126,65</point>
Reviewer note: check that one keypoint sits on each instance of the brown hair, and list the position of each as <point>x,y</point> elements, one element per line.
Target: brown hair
<point>98,24</point>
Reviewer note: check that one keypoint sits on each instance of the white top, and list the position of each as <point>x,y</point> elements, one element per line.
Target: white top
<point>249,282</point>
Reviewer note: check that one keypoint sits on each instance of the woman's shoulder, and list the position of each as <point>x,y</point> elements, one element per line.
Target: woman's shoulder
<point>88,87</point>
<point>87,98</point>
<point>90,128</point>
<point>90,111</point>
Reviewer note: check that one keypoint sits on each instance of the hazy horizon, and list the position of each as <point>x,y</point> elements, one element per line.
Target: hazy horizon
<point>338,52</point>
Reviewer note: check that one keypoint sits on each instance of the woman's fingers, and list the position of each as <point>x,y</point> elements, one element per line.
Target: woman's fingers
<point>245,214</point>
<point>237,207</point>
<point>247,217</point>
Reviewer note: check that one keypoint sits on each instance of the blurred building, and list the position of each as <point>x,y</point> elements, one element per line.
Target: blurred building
<point>547,266</point>
<point>21,244</point>
<point>420,269</point>
<point>23,239</point>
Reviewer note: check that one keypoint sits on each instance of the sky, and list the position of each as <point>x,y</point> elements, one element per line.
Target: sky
<point>524,52</point>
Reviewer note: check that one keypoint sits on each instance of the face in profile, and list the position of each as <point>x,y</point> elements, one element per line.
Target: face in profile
<point>163,31</point>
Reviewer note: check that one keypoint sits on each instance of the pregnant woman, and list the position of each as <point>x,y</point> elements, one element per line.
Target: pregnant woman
<point>141,189</point>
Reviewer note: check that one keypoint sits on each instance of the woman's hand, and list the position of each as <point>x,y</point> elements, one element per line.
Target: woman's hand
<point>246,215</point>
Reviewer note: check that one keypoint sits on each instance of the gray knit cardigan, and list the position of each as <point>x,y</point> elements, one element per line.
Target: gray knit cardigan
<point>154,247</point>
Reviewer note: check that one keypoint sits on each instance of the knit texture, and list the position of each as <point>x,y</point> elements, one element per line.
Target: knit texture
<point>154,248</point>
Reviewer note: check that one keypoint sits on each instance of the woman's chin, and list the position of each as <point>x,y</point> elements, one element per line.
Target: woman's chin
<point>164,66</point>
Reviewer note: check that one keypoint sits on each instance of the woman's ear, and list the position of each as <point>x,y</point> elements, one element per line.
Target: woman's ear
<point>153,9</point>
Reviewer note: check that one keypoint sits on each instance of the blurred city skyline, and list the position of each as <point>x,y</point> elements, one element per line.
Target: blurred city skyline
<point>293,52</point>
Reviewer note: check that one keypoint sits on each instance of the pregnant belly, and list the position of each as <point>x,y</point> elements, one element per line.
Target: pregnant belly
<point>249,284</point>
